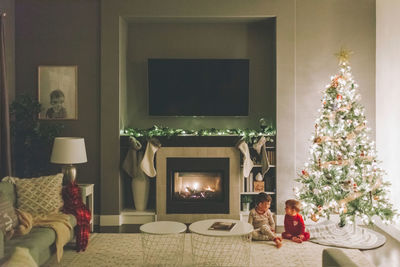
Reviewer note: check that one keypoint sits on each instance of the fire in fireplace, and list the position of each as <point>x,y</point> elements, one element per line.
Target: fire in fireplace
<point>197,185</point>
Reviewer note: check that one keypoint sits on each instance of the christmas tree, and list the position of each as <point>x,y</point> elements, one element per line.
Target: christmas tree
<point>342,175</point>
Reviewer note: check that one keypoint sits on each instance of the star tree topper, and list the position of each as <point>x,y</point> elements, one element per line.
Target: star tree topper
<point>343,55</point>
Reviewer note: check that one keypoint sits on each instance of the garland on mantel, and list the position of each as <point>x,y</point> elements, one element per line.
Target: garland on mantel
<point>249,135</point>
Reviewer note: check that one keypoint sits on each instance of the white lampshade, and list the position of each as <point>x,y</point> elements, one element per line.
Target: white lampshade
<point>68,150</point>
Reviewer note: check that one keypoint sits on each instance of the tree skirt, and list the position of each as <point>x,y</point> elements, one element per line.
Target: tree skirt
<point>126,250</point>
<point>329,233</point>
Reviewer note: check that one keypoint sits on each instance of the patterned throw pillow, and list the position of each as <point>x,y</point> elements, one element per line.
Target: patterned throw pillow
<point>8,217</point>
<point>40,196</point>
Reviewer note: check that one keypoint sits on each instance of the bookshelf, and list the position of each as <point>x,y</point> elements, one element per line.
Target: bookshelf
<point>247,188</point>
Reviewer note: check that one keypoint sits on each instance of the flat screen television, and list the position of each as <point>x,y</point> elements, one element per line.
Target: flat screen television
<point>198,87</point>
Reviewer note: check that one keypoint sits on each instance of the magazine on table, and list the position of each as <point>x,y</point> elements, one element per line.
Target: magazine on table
<point>224,226</point>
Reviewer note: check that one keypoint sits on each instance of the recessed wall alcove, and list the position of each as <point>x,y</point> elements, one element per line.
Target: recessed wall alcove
<point>196,38</point>
<point>200,38</point>
<point>244,26</point>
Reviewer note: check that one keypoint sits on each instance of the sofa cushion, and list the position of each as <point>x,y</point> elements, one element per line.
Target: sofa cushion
<point>7,189</point>
<point>40,195</point>
<point>8,217</point>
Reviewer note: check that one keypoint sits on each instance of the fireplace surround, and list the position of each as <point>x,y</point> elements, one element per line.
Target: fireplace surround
<point>221,164</point>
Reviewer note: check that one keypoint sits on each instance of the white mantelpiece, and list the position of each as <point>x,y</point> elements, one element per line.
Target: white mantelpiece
<point>200,152</point>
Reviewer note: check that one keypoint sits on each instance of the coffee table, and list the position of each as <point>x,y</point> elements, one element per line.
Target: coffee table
<point>220,247</point>
<point>163,243</point>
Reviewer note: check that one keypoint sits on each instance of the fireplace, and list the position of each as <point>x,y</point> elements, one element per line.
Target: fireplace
<point>192,210</point>
<point>197,185</point>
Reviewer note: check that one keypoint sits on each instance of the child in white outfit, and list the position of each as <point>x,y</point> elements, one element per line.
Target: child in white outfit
<point>261,219</point>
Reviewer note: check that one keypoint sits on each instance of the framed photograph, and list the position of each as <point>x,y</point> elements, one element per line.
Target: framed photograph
<point>58,92</point>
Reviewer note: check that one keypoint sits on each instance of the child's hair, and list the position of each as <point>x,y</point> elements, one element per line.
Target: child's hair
<point>262,197</point>
<point>293,204</point>
<point>56,94</point>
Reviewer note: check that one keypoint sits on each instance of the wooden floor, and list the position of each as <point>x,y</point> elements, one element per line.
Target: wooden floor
<point>387,255</point>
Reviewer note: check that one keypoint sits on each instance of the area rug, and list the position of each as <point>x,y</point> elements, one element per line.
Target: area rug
<point>329,233</point>
<point>126,250</point>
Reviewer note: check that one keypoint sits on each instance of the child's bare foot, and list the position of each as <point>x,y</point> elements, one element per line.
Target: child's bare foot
<point>278,243</point>
<point>297,240</point>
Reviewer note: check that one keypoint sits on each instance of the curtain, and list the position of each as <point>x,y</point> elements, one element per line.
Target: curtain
<point>5,143</point>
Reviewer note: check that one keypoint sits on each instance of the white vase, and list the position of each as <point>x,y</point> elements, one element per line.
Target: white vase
<point>140,190</point>
<point>245,207</point>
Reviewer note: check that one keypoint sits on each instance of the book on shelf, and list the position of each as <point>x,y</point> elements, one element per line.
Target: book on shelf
<point>271,157</point>
<point>242,179</point>
<point>251,179</point>
<point>224,226</point>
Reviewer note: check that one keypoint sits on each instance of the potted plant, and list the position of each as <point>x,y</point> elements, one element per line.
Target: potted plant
<point>32,139</point>
<point>246,200</point>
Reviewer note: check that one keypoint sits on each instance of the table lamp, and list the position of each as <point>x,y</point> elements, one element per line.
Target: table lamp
<point>68,151</point>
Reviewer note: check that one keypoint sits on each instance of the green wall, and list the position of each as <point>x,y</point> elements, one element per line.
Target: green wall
<point>8,7</point>
<point>185,38</point>
<point>64,32</point>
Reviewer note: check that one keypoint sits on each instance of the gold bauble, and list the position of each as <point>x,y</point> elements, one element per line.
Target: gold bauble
<point>345,209</point>
<point>314,218</point>
<point>376,197</point>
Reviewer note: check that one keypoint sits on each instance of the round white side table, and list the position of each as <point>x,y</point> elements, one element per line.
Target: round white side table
<point>221,247</point>
<point>163,243</point>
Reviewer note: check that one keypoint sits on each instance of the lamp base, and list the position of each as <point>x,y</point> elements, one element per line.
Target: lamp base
<point>69,172</point>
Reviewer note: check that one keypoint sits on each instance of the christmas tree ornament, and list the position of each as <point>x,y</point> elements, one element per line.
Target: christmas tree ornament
<point>347,185</point>
<point>314,217</point>
<point>355,187</point>
<point>316,191</point>
<point>345,209</point>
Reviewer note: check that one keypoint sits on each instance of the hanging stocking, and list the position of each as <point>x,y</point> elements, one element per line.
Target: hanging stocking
<point>147,163</point>
<point>247,162</point>
<point>257,146</point>
<point>264,160</point>
<point>131,163</point>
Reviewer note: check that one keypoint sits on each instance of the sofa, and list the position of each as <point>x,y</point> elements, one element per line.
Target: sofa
<point>40,241</point>
<point>333,257</point>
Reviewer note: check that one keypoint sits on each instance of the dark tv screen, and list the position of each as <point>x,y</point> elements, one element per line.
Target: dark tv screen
<point>198,87</point>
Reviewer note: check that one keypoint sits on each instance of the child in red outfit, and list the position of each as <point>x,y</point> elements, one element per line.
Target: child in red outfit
<point>294,223</point>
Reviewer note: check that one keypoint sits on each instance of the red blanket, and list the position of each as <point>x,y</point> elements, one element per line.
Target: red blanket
<point>73,205</point>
